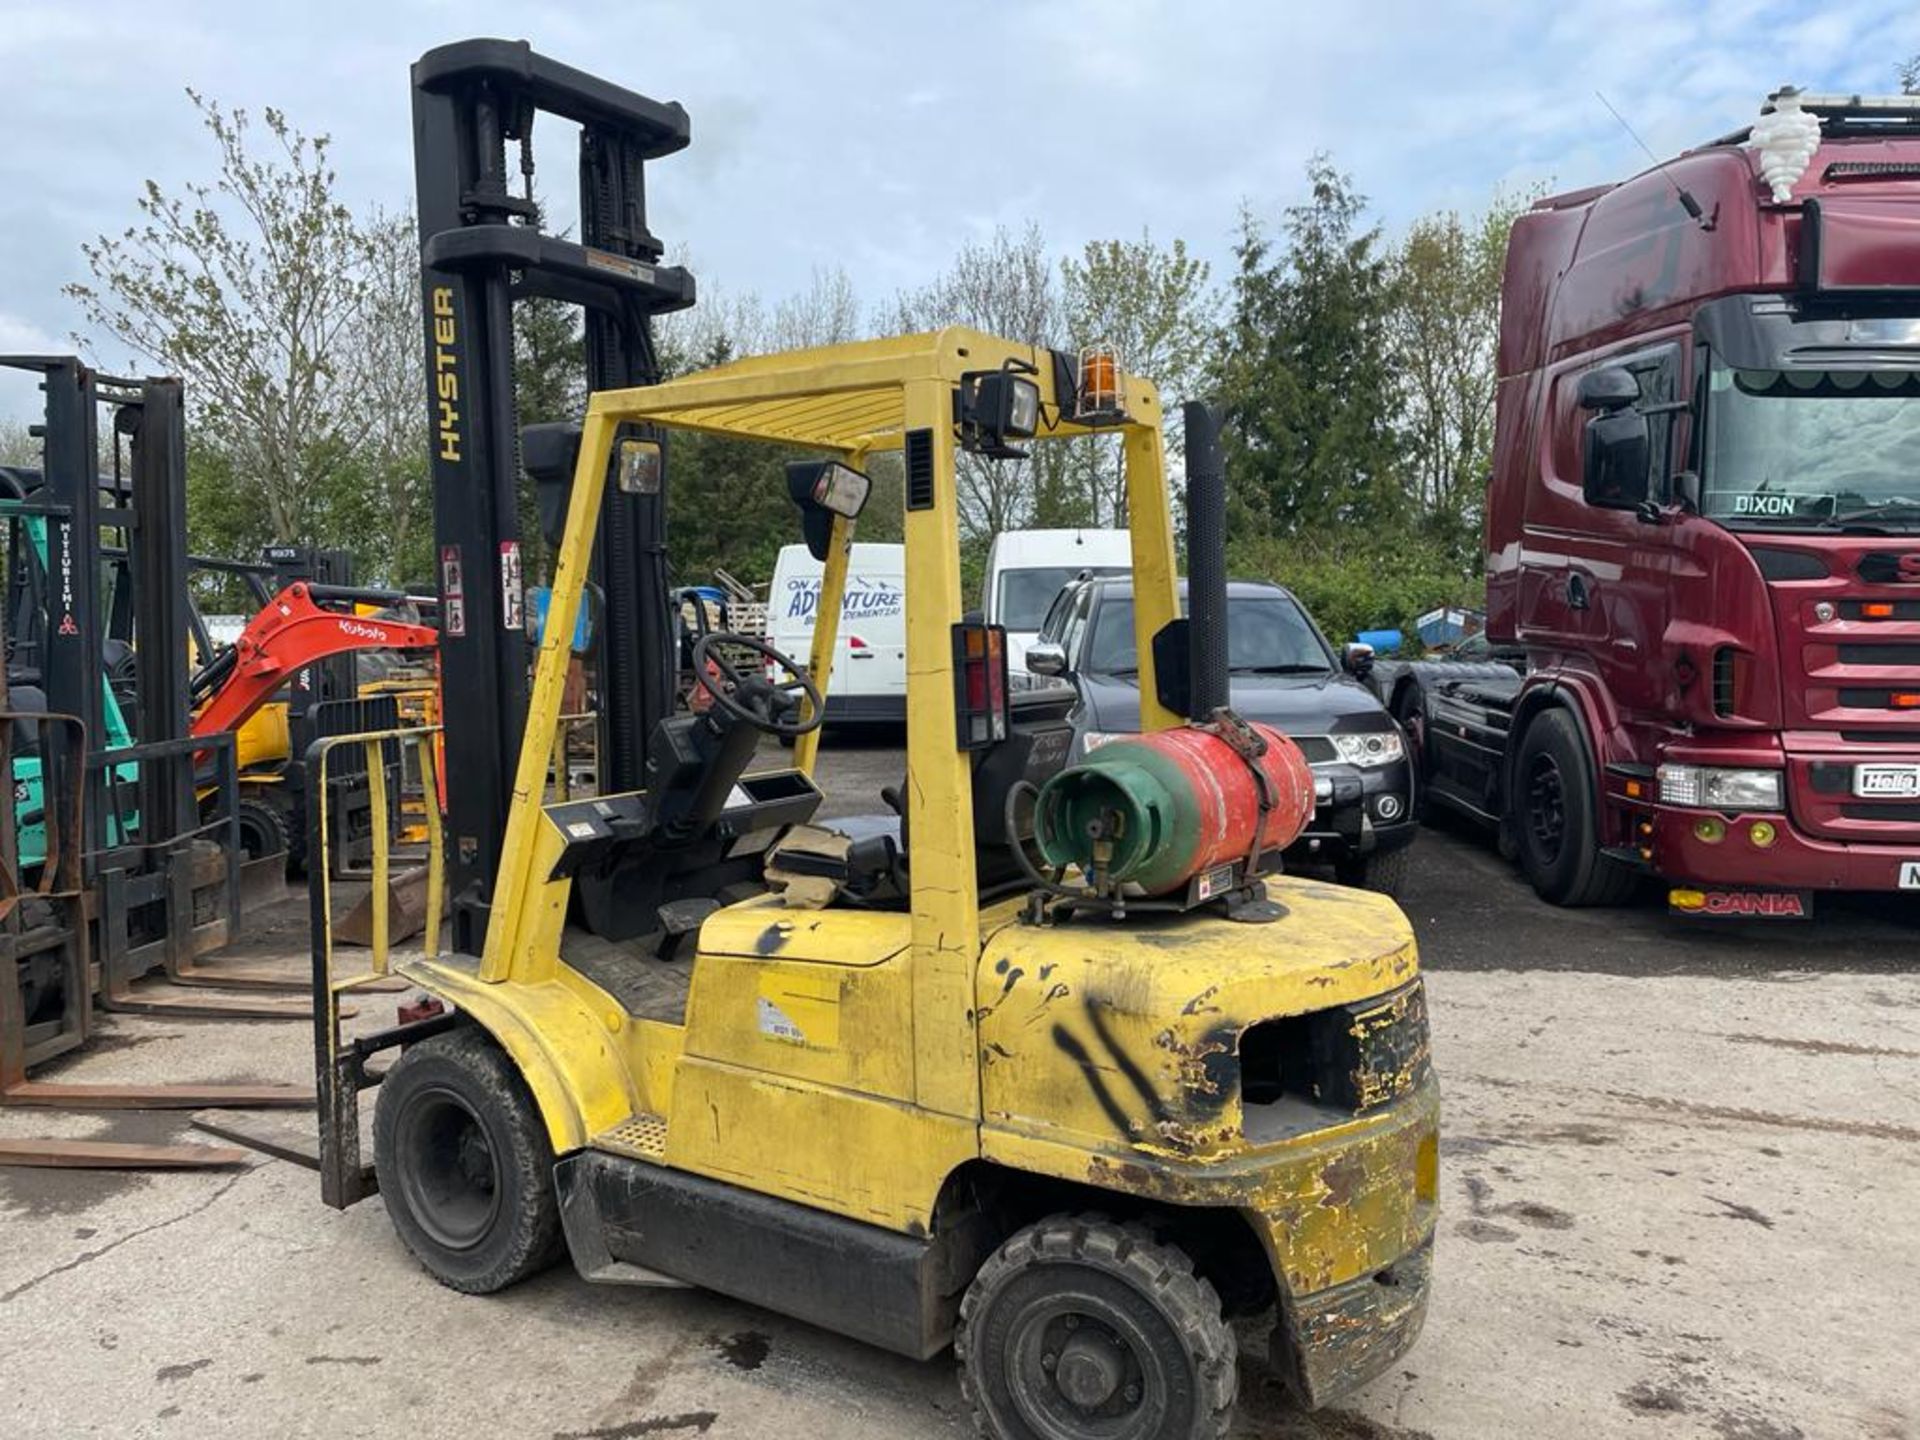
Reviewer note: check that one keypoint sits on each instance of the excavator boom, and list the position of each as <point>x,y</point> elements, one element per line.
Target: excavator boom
<point>291,632</point>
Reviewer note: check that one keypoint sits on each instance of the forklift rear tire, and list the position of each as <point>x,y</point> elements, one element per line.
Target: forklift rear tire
<point>1555,828</point>
<point>1081,1327</point>
<point>464,1164</point>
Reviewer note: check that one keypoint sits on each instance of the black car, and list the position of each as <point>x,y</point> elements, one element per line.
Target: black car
<point>1284,674</point>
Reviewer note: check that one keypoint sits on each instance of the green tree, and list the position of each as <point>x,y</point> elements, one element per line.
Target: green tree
<point>390,387</point>
<point>1311,436</point>
<point>251,289</point>
<point>18,446</point>
<point>550,384</point>
<point>1155,307</point>
<point>1005,286</point>
<point>727,502</point>
<point>1442,331</point>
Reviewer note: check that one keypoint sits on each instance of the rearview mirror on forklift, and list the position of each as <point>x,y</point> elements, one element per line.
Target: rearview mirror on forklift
<point>823,489</point>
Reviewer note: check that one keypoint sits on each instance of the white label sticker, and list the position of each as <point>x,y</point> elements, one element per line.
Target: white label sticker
<point>512,598</point>
<point>1910,874</point>
<point>776,1024</point>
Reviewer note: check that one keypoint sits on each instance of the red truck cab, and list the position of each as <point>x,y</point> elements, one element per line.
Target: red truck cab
<point>1703,525</point>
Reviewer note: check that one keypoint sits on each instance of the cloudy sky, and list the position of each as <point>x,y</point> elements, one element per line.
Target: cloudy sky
<point>875,136</point>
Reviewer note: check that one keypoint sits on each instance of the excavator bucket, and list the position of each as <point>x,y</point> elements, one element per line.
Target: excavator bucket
<point>406,911</point>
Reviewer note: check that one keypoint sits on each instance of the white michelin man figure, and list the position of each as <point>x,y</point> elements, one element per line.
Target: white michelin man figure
<point>1786,137</point>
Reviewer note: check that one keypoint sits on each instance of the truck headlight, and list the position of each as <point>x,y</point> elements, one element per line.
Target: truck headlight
<point>1377,747</point>
<point>1705,787</point>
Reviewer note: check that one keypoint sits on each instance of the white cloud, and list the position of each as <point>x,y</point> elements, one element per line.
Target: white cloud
<point>876,135</point>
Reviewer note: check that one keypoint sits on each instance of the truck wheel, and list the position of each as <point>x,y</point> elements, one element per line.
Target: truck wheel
<point>1384,872</point>
<point>1554,825</point>
<point>1078,1328</point>
<point>464,1164</point>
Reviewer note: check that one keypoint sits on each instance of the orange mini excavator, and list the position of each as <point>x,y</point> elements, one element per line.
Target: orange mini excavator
<point>300,626</point>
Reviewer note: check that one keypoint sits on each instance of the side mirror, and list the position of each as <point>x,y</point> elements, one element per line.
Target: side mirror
<point>1616,460</point>
<point>1046,658</point>
<point>1357,660</point>
<point>823,489</point>
<point>1608,389</point>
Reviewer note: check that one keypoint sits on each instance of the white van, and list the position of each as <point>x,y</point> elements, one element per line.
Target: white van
<point>1027,568</point>
<point>869,682</point>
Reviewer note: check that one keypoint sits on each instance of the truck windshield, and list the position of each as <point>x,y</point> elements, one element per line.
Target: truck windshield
<point>1813,449</point>
<point>1026,594</point>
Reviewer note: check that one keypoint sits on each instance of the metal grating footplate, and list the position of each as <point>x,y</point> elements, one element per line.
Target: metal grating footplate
<point>642,1135</point>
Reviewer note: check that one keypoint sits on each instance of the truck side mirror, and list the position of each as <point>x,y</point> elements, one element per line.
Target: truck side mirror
<point>1616,448</point>
<point>1610,388</point>
<point>1616,461</point>
<point>1357,660</point>
<point>1044,657</point>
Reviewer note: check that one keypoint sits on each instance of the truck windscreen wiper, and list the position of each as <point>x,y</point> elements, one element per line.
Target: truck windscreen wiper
<point>1897,508</point>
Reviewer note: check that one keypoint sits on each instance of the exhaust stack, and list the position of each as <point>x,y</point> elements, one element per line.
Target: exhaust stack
<point>1206,562</point>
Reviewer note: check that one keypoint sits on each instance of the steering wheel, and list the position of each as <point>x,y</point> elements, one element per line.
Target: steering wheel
<point>765,704</point>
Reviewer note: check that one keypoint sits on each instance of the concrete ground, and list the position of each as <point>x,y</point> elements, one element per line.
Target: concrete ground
<point>1681,1187</point>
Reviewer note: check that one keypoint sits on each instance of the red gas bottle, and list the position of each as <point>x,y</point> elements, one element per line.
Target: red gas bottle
<point>1155,810</point>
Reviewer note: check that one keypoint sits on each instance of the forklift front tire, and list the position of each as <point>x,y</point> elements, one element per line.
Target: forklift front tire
<point>464,1164</point>
<point>1081,1327</point>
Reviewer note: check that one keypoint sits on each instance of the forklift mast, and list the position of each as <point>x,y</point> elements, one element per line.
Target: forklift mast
<point>480,250</point>
<point>147,507</point>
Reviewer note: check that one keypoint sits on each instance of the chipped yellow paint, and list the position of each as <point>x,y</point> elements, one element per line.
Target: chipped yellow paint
<point>876,1160</point>
<point>852,1059</point>
<point>1087,1030</point>
<point>1106,1056</point>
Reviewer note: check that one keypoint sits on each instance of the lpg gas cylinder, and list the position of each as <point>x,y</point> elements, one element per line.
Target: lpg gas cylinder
<point>1155,810</point>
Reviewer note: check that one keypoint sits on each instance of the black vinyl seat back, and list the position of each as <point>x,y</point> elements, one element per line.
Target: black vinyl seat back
<point>1035,749</point>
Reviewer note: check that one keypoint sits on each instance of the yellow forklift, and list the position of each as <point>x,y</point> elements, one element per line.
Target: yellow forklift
<point>946,1076</point>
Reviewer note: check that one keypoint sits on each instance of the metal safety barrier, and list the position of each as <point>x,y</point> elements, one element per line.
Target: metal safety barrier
<point>340,1071</point>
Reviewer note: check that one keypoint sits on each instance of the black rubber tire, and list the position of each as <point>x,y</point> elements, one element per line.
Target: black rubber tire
<point>1555,829</point>
<point>1384,872</point>
<point>1410,714</point>
<point>1138,1310</point>
<point>265,826</point>
<point>464,1164</point>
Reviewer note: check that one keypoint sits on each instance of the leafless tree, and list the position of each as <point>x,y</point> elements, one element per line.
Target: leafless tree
<point>827,312</point>
<point>1004,286</point>
<point>247,288</point>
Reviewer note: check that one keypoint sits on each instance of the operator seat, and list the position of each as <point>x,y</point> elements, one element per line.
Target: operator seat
<point>1035,749</point>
